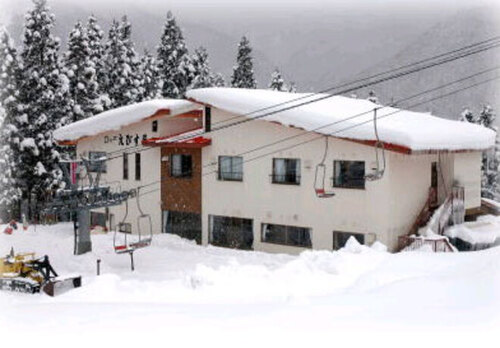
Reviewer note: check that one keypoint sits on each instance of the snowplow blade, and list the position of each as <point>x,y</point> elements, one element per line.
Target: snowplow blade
<point>56,287</point>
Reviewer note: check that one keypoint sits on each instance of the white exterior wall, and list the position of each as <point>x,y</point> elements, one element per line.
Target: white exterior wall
<point>150,167</point>
<point>384,210</point>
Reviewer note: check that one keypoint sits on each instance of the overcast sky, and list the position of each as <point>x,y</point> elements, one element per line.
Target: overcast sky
<point>260,7</point>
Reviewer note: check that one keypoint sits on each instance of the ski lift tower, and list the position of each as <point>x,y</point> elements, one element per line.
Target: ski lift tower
<point>79,200</point>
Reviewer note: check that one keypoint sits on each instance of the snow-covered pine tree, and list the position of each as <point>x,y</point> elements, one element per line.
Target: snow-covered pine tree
<point>202,75</point>
<point>277,83</point>
<point>292,88</point>
<point>218,80</point>
<point>45,104</point>
<point>95,39</point>
<point>243,71</point>
<point>467,116</point>
<point>487,116</point>
<point>82,75</point>
<point>490,186</point>
<point>372,97</point>
<point>122,67</point>
<point>151,84</point>
<point>10,77</point>
<point>173,60</point>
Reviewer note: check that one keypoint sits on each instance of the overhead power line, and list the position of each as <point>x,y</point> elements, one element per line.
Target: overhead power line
<point>462,53</point>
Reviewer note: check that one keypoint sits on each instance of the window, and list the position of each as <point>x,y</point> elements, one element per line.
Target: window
<point>185,225</point>
<point>286,171</point>
<point>154,126</point>
<point>125,166</point>
<point>349,174</point>
<point>230,168</point>
<point>181,166</point>
<point>97,219</point>
<point>340,238</point>
<point>231,232</point>
<point>137,166</point>
<point>286,235</point>
<point>97,161</point>
<point>208,119</point>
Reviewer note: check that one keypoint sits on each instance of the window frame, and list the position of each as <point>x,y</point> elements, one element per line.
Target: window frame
<point>154,126</point>
<point>348,186</point>
<point>181,174</point>
<point>221,177</point>
<point>288,230</point>
<point>92,166</point>
<point>138,168</point>
<point>286,161</point>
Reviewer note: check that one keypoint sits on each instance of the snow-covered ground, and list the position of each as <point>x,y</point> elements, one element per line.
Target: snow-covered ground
<point>183,295</point>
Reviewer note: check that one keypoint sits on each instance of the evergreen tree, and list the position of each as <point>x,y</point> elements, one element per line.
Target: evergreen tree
<point>151,86</point>
<point>123,81</point>
<point>277,83</point>
<point>82,75</point>
<point>173,60</point>
<point>487,116</point>
<point>218,80</point>
<point>10,77</point>
<point>372,97</point>
<point>97,56</point>
<point>202,75</point>
<point>292,88</point>
<point>243,71</point>
<point>467,116</point>
<point>45,104</point>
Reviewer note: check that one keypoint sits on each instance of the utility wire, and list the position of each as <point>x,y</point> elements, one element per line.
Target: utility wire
<point>323,97</point>
<point>489,41</point>
<point>362,123</point>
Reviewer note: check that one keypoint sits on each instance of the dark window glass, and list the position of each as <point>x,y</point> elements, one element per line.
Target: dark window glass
<point>286,235</point>
<point>97,219</point>
<point>137,166</point>
<point>231,232</point>
<point>154,126</point>
<point>185,225</point>
<point>181,166</point>
<point>208,119</point>
<point>286,171</point>
<point>125,166</point>
<point>340,238</point>
<point>349,174</point>
<point>230,168</point>
<point>97,161</point>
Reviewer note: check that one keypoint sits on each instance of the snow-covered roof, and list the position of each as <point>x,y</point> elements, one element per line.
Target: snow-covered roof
<point>415,131</point>
<point>120,117</point>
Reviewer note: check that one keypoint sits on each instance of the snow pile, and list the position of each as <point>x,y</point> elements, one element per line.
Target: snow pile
<point>486,231</point>
<point>414,130</point>
<point>121,117</point>
<point>180,288</point>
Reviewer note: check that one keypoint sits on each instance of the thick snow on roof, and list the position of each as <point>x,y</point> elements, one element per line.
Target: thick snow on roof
<point>413,130</point>
<point>121,117</point>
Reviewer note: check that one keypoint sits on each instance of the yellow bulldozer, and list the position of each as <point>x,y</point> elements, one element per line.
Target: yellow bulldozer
<point>26,273</point>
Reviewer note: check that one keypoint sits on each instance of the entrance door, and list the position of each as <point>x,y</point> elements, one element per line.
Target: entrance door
<point>231,232</point>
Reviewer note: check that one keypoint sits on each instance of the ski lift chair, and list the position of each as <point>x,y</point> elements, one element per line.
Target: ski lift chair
<point>141,240</point>
<point>320,176</point>
<point>379,171</point>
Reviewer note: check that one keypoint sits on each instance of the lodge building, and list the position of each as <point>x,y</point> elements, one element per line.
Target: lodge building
<point>214,170</point>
